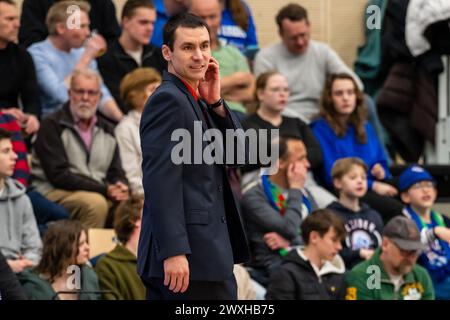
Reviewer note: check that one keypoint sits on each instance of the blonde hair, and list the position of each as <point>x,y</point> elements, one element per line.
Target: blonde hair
<point>343,166</point>
<point>132,86</point>
<point>59,13</point>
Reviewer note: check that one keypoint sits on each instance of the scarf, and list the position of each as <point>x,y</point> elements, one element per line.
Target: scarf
<point>436,258</point>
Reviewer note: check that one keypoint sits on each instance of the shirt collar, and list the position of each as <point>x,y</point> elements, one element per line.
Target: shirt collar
<point>191,90</point>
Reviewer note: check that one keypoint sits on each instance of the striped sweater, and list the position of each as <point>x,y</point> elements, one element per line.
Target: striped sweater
<point>22,169</point>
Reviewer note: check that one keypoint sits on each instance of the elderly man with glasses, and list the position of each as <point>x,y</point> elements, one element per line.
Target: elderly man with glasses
<point>76,160</point>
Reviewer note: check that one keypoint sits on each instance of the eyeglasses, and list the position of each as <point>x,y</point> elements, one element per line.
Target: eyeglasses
<point>82,92</point>
<point>423,185</point>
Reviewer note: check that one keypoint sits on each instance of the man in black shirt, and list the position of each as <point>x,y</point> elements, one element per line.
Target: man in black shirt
<point>131,50</point>
<point>18,86</point>
<point>33,28</point>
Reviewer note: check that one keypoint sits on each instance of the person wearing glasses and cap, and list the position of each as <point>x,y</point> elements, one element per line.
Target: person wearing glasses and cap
<point>392,273</point>
<point>418,191</point>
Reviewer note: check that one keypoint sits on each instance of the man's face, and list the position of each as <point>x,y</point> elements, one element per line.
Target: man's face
<point>421,195</point>
<point>191,54</point>
<point>400,261</point>
<point>295,35</point>
<point>328,245</point>
<point>9,23</point>
<point>296,154</point>
<point>353,183</point>
<point>77,35</point>
<point>7,158</point>
<point>140,25</point>
<point>84,97</point>
<point>208,10</point>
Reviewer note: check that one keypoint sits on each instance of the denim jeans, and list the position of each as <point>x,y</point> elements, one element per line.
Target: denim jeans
<point>45,210</point>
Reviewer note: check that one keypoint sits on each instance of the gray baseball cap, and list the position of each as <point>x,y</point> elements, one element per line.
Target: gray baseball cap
<point>404,233</point>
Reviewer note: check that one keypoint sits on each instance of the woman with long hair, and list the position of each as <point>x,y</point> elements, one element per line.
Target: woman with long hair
<point>62,272</point>
<point>271,96</point>
<point>343,131</point>
<point>237,27</point>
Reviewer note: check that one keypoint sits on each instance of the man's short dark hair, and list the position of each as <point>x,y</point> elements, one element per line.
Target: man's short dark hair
<point>322,221</point>
<point>283,144</point>
<point>131,5</point>
<point>293,12</point>
<point>4,134</point>
<point>182,20</point>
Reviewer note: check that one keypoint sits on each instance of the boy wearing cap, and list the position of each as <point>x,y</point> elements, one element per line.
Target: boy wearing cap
<point>363,224</point>
<point>392,273</point>
<point>418,191</point>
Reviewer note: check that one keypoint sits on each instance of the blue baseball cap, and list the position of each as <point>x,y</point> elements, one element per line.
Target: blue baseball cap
<point>412,175</point>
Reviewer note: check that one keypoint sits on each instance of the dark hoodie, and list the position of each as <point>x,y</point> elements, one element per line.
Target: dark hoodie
<point>297,279</point>
<point>364,231</point>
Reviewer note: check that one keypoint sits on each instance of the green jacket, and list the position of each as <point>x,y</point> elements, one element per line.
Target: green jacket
<point>117,272</point>
<point>417,284</point>
<point>38,288</point>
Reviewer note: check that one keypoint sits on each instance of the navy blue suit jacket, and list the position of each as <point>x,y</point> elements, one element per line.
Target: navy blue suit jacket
<point>189,208</point>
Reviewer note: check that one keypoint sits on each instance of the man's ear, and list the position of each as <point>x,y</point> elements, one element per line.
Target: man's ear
<point>166,52</point>
<point>384,244</point>
<point>60,28</point>
<point>124,22</point>
<point>283,164</point>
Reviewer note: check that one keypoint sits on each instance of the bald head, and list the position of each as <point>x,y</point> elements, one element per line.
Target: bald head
<point>210,11</point>
<point>174,7</point>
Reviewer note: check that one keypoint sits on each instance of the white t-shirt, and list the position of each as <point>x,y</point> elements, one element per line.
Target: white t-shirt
<point>137,56</point>
<point>397,281</point>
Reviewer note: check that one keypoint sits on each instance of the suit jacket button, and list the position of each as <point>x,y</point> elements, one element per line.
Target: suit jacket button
<point>220,188</point>
<point>223,219</point>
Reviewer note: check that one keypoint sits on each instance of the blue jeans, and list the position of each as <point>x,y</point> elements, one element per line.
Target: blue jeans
<point>45,210</point>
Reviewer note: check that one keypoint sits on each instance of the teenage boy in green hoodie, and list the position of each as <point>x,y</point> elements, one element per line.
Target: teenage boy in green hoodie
<point>116,270</point>
<point>20,242</point>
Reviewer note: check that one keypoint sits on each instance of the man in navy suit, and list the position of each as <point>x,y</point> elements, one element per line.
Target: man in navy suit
<point>192,233</point>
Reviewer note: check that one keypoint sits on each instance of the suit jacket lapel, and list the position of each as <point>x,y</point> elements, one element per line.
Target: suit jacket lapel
<point>195,106</point>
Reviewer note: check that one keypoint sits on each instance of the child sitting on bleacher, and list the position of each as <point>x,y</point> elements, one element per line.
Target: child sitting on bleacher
<point>418,192</point>
<point>363,224</point>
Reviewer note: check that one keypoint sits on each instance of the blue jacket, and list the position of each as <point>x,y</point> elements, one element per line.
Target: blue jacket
<point>189,208</point>
<point>161,19</point>
<point>334,148</point>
